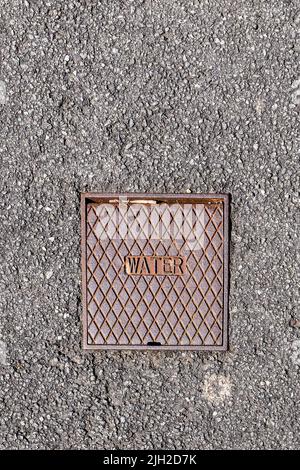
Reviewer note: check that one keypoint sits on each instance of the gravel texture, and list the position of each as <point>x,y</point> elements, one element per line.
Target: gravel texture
<point>162,96</point>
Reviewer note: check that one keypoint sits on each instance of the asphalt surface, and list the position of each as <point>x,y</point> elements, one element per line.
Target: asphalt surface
<point>162,96</point>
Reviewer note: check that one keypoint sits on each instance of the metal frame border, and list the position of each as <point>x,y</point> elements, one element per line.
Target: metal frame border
<point>198,198</point>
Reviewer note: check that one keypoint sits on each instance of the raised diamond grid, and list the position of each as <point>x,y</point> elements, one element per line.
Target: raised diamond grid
<point>171,310</point>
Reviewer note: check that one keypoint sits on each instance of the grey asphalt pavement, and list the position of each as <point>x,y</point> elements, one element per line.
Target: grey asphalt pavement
<point>160,96</point>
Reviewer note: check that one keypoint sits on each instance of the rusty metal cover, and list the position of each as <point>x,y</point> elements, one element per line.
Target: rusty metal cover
<point>155,271</point>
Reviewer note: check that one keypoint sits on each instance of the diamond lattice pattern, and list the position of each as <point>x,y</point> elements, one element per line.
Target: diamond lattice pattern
<point>173,310</point>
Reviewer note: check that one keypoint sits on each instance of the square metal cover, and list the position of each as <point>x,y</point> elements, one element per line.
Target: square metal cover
<point>155,271</point>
